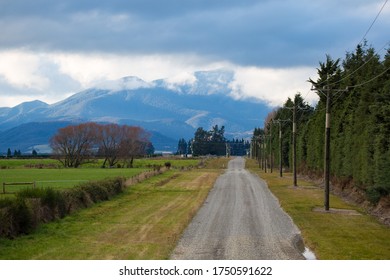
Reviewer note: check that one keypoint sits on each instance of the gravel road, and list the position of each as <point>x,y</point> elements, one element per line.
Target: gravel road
<point>240,219</point>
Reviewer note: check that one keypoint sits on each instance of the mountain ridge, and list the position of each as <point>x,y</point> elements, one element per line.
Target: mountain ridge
<point>172,109</point>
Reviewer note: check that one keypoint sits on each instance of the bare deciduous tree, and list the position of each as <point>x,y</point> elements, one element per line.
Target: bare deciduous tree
<point>134,144</point>
<point>109,139</point>
<point>72,145</point>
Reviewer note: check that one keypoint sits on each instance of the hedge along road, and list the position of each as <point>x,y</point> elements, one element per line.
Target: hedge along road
<point>240,219</point>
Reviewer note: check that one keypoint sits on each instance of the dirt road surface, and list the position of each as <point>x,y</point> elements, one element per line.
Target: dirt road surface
<point>240,219</point>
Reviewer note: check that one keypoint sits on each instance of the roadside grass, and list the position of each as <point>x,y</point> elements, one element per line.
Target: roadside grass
<point>331,236</point>
<point>175,162</point>
<point>217,163</point>
<point>144,222</point>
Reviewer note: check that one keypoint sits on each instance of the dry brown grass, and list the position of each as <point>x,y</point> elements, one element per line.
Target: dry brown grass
<point>143,223</point>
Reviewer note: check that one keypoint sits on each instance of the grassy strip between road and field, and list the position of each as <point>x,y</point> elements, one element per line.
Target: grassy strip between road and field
<point>144,222</point>
<point>343,235</point>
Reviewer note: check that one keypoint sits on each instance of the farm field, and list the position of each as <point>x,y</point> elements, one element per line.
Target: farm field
<point>48,172</point>
<point>62,178</point>
<point>53,163</point>
<point>144,222</point>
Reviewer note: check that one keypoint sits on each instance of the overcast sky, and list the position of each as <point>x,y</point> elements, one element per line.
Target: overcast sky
<point>51,49</point>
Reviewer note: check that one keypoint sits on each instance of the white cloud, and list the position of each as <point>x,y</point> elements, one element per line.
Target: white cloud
<point>21,70</point>
<point>51,76</point>
<point>368,10</point>
<point>89,69</point>
<point>182,78</point>
<point>11,101</point>
<point>272,85</point>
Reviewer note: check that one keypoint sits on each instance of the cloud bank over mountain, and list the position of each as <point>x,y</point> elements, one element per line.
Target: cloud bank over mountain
<point>51,49</point>
<point>169,109</point>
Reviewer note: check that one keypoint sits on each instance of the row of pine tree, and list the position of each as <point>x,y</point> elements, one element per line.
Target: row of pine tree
<point>359,87</point>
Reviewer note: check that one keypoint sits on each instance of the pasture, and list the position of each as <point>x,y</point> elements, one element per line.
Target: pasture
<point>143,222</point>
<point>50,173</point>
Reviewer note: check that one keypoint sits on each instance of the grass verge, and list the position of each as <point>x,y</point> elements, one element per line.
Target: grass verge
<point>144,222</point>
<point>332,236</point>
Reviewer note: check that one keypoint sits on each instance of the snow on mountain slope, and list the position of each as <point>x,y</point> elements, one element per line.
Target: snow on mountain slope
<point>173,109</point>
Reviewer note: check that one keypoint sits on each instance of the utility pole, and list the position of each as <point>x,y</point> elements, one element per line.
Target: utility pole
<point>270,147</point>
<point>280,149</point>
<point>328,95</point>
<point>327,146</point>
<point>294,143</point>
<point>265,148</point>
<point>227,149</point>
<point>251,149</point>
<point>256,156</point>
<point>279,121</point>
<point>259,154</point>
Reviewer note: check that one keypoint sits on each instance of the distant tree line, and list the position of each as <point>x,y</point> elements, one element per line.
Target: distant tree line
<point>360,123</point>
<point>238,147</point>
<point>75,144</point>
<point>17,153</point>
<point>212,142</point>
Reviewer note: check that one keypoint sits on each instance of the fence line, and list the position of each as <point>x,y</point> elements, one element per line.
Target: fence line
<point>17,184</point>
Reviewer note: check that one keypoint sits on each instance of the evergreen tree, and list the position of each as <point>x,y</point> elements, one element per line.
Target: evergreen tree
<point>360,122</point>
<point>182,147</point>
<point>209,142</point>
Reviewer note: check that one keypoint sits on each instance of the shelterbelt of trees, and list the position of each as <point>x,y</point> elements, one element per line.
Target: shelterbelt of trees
<point>359,118</point>
<point>212,142</point>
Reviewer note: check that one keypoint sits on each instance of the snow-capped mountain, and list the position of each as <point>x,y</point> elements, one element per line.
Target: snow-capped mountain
<point>170,109</point>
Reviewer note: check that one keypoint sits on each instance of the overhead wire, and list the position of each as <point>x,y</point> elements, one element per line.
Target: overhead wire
<point>372,24</point>
<point>363,38</point>
<point>359,68</point>
<point>370,80</point>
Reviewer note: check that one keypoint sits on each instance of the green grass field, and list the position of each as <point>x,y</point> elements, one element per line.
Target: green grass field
<point>62,178</point>
<point>52,163</point>
<point>25,163</point>
<point>144,222</point>
<point>48,172</point>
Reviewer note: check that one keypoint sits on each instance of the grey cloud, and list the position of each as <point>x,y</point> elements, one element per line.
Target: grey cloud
<point>248,32</point>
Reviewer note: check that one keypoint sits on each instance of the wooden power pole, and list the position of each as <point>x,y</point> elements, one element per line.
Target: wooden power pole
<point>327,147</point>
<point>280,150</point>
<point>294,130</point>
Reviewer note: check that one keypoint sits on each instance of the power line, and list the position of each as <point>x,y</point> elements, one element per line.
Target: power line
<point>361,66</point>
<point>364,37</point>
<point>372,24</point>
<point>354,71</point>
<point>370,80</point>
<point>334,101</point>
